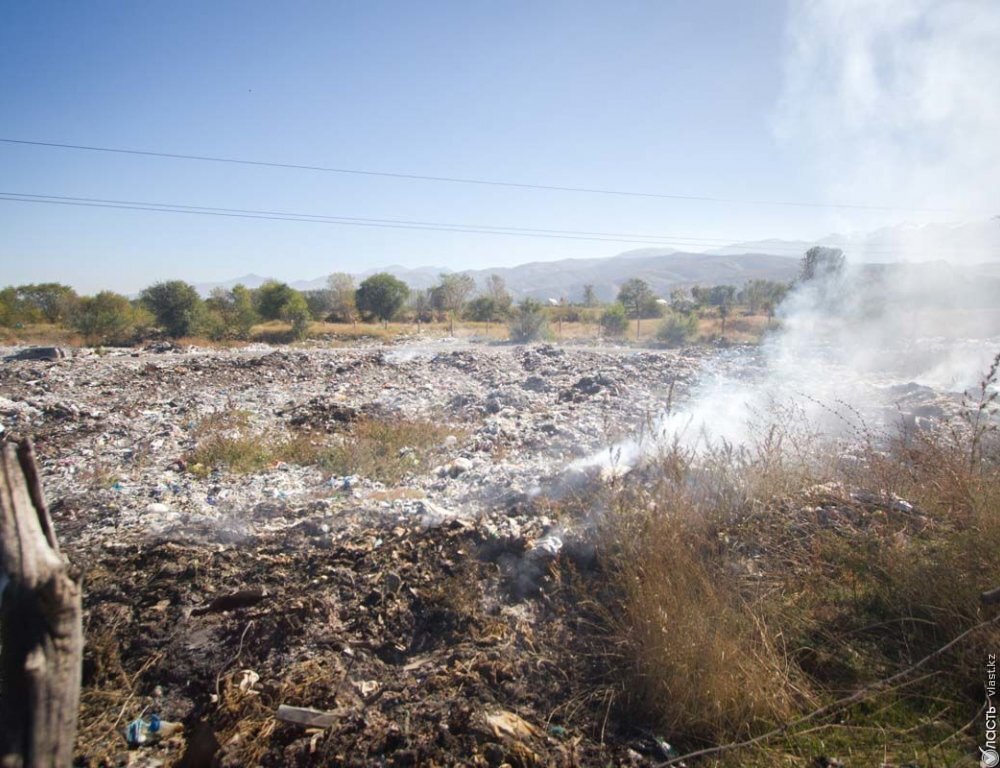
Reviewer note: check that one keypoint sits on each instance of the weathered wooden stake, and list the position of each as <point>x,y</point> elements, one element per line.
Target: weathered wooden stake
<point>41,636</point>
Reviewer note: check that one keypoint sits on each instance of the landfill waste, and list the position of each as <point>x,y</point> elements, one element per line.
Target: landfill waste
<point>142,732</point>
<point>250,575</point>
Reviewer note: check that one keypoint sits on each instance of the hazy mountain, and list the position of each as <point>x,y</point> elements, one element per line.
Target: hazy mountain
<point>250,281</point>
<point>968,243</point>
<point>973,245</point>
<point>663,269</point>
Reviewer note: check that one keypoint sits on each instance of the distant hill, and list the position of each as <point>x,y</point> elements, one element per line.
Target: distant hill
<point>663,269</point>
<point>250,281</point>
<point>975,246</point>
<point>966,243</point>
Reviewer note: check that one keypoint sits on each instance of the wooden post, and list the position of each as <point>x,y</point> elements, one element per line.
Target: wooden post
<point>41,635</point>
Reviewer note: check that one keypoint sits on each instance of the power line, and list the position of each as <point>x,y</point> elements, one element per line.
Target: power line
<point>475,181</point>
<point>355,219</point>
<point>315,219</point>
<point>482,229</point>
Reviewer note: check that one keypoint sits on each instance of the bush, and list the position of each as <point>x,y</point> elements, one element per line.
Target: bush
<point>677,329</point>
<point>230,314</point>
<point>529,322</point>
<point>176,305</point>
<point>296,311</point>
<point>614,320</point>
<point>109,318</point>
<point>271,298</point>
<point>381,296</point>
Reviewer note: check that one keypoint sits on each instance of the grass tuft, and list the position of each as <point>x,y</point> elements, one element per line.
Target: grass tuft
<point>386,450</point>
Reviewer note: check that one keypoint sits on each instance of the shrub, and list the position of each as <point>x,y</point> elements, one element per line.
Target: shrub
<point>296,311</point>
<point>529,322</point>
<point>614,320</point>
<point>176,306</point>
<point>109,318</point>
<point>271,298</point>
<point>677,329</point>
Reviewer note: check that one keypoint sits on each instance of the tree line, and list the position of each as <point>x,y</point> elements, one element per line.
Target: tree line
<point>175,309</point>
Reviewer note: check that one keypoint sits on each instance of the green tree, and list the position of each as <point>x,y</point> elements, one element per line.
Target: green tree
<point>634,295</point>
<point>244,314</point>
<point>449,295</point>
<point>529,322</point>
<point>296,312</point>
<point>590,296</point>
<point>493,304</point>
<point>110,318</point>
<point>49,302</point>
<point>319,302</point>
<point>681,300</point>
<point>176,306</point>
<point>381,296</point>
<point>496,290</point>
<point>821,262</point>
<point>614,320</point>
<point>423,309</point>
<point>758,294</point>
<point>8,306</point>
<point>724,310</point>
<point>481,309</point>
<point>719,295</point>
<point>230,313</point>
<point>342,306</point>
<point>270,299</point>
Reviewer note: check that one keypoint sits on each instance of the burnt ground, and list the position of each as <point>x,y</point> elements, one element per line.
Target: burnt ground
<point>429,619</point>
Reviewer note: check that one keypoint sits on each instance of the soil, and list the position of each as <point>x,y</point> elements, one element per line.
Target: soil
<point>428,620</point>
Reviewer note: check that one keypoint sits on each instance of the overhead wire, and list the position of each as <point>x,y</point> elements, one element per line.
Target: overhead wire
<point>467,180</point>
<point>411,224</point>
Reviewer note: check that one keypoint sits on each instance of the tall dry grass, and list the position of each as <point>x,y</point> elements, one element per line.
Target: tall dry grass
<point>743,589</point>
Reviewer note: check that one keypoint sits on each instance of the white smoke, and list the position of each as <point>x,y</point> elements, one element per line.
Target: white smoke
<point>896,102</point>
<point>890,103</point>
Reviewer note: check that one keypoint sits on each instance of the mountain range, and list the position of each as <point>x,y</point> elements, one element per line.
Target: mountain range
<point>974,246</point>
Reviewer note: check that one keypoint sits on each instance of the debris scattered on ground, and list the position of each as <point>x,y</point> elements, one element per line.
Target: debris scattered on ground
<point>303,612</point>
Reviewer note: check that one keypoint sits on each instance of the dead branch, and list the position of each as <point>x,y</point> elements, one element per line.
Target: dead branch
<point>41,636</point>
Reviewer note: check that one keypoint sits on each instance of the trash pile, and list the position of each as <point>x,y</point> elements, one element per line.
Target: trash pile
<point>260,590</point>
<point>297,614</point>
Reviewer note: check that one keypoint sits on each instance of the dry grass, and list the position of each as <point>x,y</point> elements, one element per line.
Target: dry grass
<point>388,450</point>
<point>381,449</point>
<point>227,440</point>
<point>700,662</point>
<point>691,654</point>
<point>740,328</point>
<point>249,712</point>
<point>744,589</point>
<point>41,333</point>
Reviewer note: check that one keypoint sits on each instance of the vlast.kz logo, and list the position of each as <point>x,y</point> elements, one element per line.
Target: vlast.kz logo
<point>988,755</point>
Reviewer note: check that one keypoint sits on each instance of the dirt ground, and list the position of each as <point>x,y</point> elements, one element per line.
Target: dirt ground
<point>426,620</point>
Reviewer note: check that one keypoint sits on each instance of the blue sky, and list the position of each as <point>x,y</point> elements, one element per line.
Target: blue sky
<point>660,96</point>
